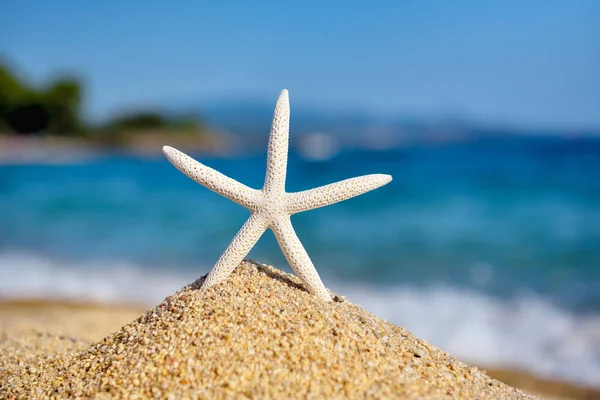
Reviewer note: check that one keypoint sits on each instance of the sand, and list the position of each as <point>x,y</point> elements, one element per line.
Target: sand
<point>258,335</point>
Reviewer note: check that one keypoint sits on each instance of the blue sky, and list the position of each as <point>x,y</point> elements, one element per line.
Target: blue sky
<point>530,63</point>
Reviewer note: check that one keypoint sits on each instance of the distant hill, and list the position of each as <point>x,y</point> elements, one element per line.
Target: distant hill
<point>250,118</point>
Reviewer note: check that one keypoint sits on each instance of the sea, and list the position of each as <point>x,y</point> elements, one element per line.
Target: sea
<point>488,249</point>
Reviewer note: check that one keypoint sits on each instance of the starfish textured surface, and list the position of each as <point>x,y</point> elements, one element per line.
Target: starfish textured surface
<point>271,207</point>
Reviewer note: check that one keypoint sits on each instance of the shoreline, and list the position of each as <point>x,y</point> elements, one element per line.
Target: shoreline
<point>16,150</point>
<point>90,322</point>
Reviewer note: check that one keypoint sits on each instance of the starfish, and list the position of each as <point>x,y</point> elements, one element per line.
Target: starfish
<point>271,207</point>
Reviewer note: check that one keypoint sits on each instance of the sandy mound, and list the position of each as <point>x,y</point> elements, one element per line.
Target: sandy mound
<point>259,335</point>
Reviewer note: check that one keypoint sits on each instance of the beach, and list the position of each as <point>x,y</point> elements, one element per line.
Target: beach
<point>504,255</point>
<point>138,165</point>
<point>260,334</point>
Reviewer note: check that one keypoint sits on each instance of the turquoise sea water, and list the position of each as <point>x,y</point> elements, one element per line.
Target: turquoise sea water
<point>496,241</point>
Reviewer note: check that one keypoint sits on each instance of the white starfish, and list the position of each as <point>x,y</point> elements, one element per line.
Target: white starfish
<point>271,207</point>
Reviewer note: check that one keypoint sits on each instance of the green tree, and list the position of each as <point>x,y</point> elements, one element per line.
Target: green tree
<point>55,109</point>
<point>12,94</point>
<point>138,121</point>
<point>62,100</point>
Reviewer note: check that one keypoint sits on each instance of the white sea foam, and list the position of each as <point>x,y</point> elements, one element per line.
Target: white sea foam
<point>28,276</point>
<point>527,333</point>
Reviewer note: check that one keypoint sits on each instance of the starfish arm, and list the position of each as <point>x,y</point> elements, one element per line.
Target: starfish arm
<point>212,179</point>
<point>277,152</point>
<point>239,247</point>
<point>298,258</point>
<point>334,192</point>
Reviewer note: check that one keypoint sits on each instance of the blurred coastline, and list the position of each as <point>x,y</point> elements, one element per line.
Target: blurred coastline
<point>64,150</point>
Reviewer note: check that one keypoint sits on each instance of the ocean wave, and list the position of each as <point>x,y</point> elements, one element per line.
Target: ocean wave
<point>31,276</point>
<point>528,332</point>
